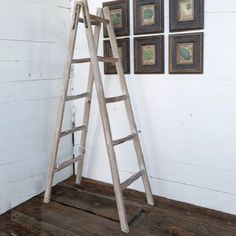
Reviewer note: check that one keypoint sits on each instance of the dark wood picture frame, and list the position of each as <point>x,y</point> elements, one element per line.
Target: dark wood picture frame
<point>186,53</point>
<point>124,45</point>
<point>151,47</point>
<point>121,15</point>
<point>148,16</point>
<point>186,16</point>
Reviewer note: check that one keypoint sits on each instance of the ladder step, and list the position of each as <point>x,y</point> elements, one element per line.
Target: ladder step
<point>116,99</point>
<point>81,20</point>
<point>108,59</point>
<point>83,60</point>
<point>99,19</point>
<point>95,20</point>
<point>67,163</point>
<point>102,59</point>
<point>82,95</point>
<point>130,180</point>
<point>123,140</point>
<point>71,131</point>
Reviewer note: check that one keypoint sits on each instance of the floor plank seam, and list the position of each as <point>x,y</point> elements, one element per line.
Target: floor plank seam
<point>91,211</point>
<point>126,200</point>
<point>87,211</point>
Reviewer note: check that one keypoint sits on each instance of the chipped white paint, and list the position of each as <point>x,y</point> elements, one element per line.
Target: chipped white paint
<point>33,38</point>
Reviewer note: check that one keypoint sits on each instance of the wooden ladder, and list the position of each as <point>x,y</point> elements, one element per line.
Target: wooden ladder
<point>102,16</point>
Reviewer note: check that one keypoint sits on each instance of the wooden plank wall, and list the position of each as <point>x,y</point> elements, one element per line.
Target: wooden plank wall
<point>33,40</point>
<point>187,122</point>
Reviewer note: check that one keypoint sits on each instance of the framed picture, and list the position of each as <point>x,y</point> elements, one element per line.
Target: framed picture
<point>120,16</point>
<point>149,55</point>
<point>124,53</point>
<point>186,53</point>
<point>186,15</point>
<point>148,16</point>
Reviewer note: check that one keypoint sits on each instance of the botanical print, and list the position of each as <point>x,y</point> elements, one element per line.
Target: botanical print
<point>184,54</point>
<point>185,10</point>
<point>149,55</point>
<point>148,14</point>
<point>116,18</point>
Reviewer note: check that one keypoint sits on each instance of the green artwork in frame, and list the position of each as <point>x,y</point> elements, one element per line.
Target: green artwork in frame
<point>186,15</point>
<point>124,54</point>
<point>148,55</point>
<point>120,17</point>
<point>148,14</point>
<point>185,53</point>
<point>185,10</point>
<point>116,18</point>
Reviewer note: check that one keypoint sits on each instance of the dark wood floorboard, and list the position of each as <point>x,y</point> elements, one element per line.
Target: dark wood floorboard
<point>91,203</point>
<point>90,210</point>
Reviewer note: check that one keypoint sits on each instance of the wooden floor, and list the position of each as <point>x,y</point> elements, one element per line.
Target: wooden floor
<point>90,210</point>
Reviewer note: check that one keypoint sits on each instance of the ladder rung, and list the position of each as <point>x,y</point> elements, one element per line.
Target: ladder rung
<point>83,60</point>
<point>130,180</point>
<point>95,20</point>
<point>76,129</point>
<point>67,163</point>
<point>116,99</point>
<point>82,95</point>
<point>81,20</point>
<point>102,59</point>
<point>108,59</point>
<point>125,139</point>
<point>98,19</point>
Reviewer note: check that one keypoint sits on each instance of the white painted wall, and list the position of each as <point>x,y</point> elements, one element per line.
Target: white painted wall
<point>187,122</point>
<point>33,39</point>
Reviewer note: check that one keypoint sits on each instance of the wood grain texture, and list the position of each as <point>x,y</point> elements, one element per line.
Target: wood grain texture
<point>93,214</point>
<point>91,203</point>
<point>32,44</point>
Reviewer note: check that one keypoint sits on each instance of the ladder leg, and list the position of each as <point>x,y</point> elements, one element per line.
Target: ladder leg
<point>106,123</point>
<point>61,107</point>
<point>88,104</point>
<point>129,109</point>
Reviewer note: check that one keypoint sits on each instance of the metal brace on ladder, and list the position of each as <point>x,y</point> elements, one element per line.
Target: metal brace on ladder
<point>102,16</point>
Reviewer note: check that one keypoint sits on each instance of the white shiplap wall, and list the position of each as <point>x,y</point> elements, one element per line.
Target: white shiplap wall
<point>187,122</point>
<point>33,39</point>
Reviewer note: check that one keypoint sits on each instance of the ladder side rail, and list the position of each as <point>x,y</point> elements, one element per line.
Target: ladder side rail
<point>128,106</point>
<point>87,107</point>
<point>61,106</point>
<point>106,123</point>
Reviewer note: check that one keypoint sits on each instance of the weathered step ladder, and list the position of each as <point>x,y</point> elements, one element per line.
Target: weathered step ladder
<point>102,16</point>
